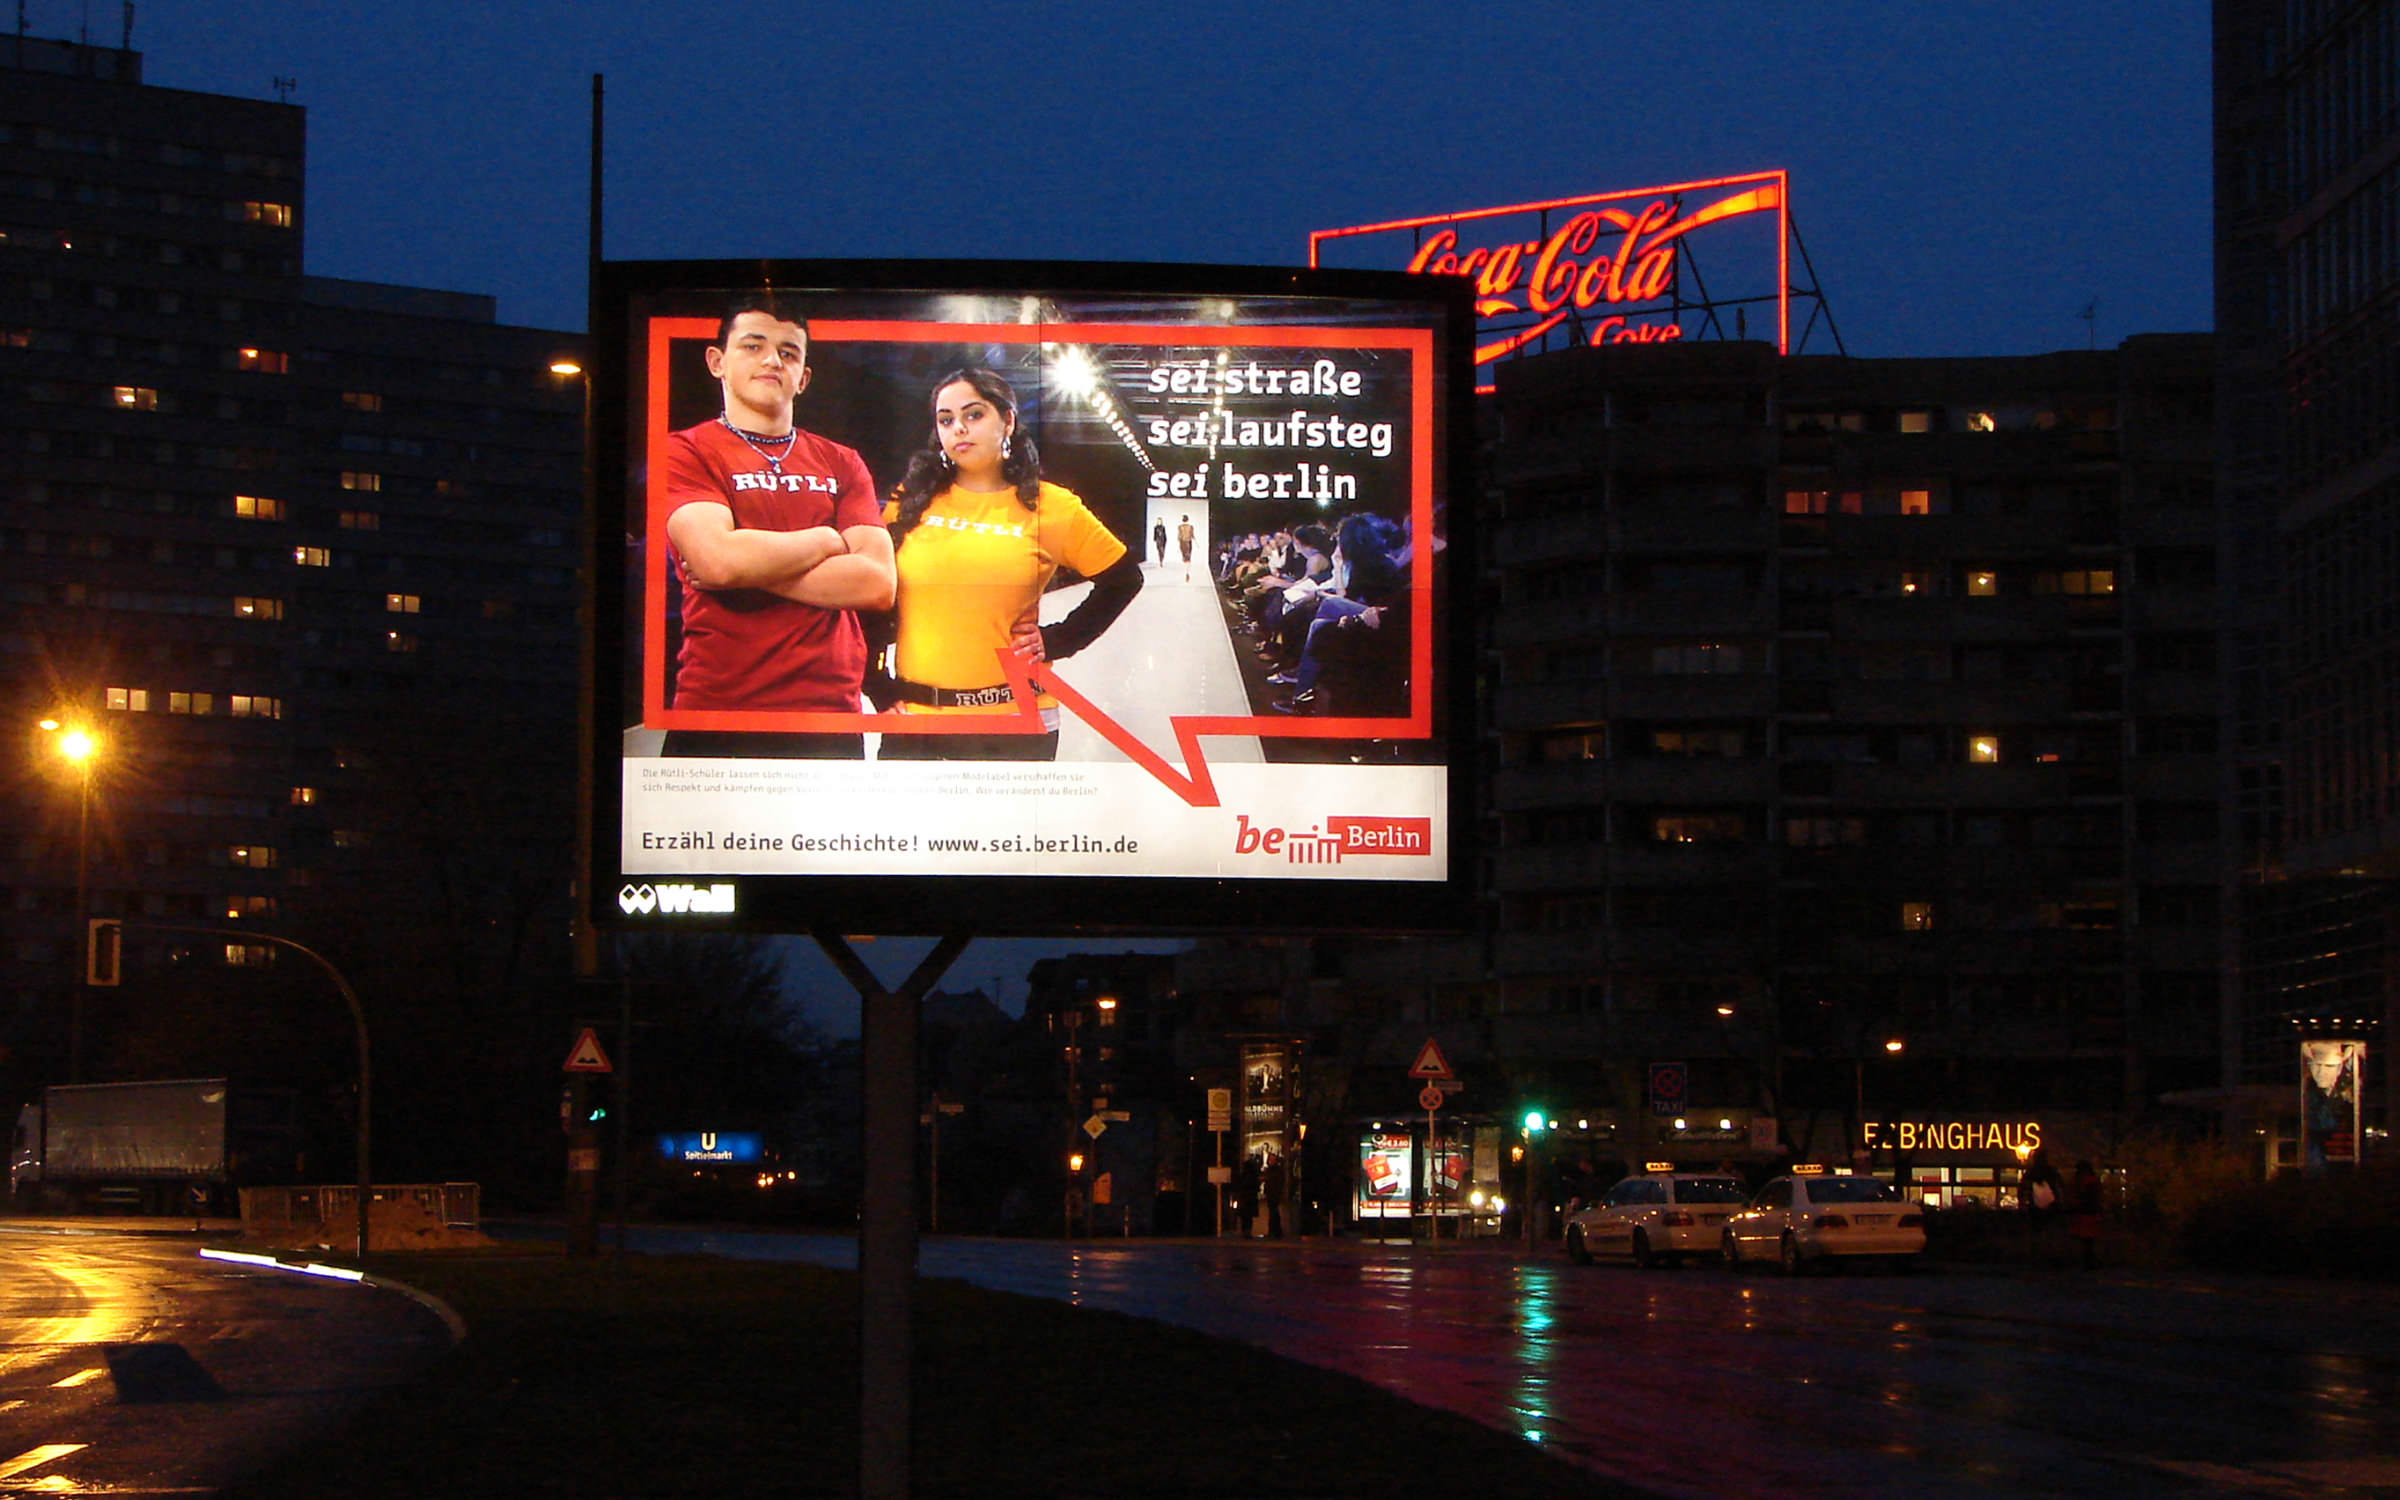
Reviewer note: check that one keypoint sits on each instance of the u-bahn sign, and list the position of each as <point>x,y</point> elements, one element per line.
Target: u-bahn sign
<point>1604,268</point>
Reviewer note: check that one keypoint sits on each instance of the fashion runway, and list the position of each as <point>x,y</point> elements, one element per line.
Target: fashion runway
<point>1167,655</point>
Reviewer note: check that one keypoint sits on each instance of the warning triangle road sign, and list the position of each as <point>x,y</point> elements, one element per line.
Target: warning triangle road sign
<point>586,1056</point>
<point>1430,1063</point>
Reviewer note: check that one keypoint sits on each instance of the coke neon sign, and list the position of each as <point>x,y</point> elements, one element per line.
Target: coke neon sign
<point>1605,268</point>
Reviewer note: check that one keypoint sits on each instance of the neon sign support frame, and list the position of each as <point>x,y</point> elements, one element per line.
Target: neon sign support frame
<point>1767,191</point>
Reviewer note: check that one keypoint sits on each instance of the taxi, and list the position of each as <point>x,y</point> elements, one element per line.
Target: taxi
<point>1808,1219</point>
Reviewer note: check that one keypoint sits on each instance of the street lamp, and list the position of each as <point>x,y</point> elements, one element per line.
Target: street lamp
<point>1892,1045</point>
<point>80,748</point>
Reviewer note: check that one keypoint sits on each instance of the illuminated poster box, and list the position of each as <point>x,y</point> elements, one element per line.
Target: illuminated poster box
<point>1246,462</point>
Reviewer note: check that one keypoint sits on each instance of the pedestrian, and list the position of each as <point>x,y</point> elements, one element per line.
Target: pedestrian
<point>1273,1181</point>
<point>2038,1193</point>
<point>2083,1213</point>
<point>1245,1195</point>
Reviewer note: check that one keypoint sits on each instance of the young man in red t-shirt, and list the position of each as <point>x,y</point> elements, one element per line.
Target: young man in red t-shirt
<point>778,539</point>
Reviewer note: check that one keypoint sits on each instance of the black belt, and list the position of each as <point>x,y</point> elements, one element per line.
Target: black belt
<point>1002,696</point>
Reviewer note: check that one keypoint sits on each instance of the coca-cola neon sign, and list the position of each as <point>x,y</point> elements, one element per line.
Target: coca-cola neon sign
<point>1606,268</point>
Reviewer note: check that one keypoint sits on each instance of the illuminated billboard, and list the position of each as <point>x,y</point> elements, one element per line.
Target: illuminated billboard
<point>1607,268</point>
<point>1020,597</point>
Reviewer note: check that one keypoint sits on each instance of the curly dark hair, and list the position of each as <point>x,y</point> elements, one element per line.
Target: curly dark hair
<point>929,470</point>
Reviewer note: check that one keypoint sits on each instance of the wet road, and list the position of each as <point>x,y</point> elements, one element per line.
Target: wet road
<point>130,1366</point>
<point>1700,1382</point>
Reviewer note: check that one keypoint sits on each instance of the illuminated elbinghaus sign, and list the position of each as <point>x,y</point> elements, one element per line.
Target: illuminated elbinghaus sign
<point>1606,268</point>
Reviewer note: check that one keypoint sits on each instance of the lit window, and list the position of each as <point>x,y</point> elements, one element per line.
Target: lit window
<point>402,604</point>
<point>128,700</point>
<point>304,796</point>
<point>275,215</point>
<point>137,398</point>
<point>2084,581</point>
<point>1916,916</point>
<point>265,361</point>
<point>1805,502</point>
<point>363,400</point>
<point>251,856</point>
<point>247,706</point>
<point>1916,502</point>
<point>191,703</point>
<point>312,557</point>
<point>350,838</point>
<point>400,641</point>
<point>249,955</point>
<point>1916,583</point>
<point>257,608</point>
<point>1983,585</point>
<point>1981,421</point>
<point>361,520</point>
<point>257,508</point>
<point>360,480</point>
<point>1697,828</point>
<point>1916,421</point>
<point>1983,749</point>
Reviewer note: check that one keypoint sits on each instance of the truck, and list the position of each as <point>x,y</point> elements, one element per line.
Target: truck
<point>182,1145</point>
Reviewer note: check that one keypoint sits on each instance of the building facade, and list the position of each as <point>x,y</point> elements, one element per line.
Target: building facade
<point>2307,148</point>
<point>1856,727</point>
<point>302,554</point>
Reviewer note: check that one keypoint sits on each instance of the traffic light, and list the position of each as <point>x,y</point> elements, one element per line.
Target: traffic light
<point>103,951</point>
<point>1535,1122</point>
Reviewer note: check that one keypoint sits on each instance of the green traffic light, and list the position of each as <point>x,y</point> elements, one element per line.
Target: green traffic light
<point>1534,1120</point>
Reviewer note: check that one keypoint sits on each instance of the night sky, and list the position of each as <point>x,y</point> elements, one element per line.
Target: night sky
<point>1967,176</point>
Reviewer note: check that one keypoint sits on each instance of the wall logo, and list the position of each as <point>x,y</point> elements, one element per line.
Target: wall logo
<point>677,900</point>
<point>1339,837</point>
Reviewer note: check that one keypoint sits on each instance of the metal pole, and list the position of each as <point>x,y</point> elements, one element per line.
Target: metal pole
<point>358,1026</point>
<point>83,922</point>
<point>1216,1189</point>
<point>887,1223</point>
<point>623,1082</point>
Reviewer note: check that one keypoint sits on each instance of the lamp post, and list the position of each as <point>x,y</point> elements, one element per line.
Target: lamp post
<point>1891,1045</point>
<point>79,748</point>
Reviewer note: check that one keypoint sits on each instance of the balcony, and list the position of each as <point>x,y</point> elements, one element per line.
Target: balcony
<point>1654,528</point>
<point>2192,694</point>
<point>2171,609</point>
<point>1655,779</point>
<point>2186,778</point>
<point>1541,705</point>
<point>1968,705</point>
<point>1953,784</point>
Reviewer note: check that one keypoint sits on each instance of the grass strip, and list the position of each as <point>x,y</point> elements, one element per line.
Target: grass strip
<point>692,1375</point>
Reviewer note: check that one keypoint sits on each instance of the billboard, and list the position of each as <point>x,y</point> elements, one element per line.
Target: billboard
<point>1606,268</point>
<point>1025,597</point>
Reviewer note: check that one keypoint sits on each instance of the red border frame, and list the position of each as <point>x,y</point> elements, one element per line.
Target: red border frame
<point>658,334</point>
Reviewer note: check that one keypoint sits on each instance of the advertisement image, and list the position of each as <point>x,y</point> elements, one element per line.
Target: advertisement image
<point>1118,585</point>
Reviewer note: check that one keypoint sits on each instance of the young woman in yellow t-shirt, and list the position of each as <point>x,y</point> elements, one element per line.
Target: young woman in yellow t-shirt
<point>977,535</point>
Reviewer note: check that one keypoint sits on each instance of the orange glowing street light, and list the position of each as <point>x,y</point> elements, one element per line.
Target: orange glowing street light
<point>80,748</point>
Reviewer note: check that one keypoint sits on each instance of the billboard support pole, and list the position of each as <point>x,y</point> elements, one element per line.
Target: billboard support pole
<point>887,1223</point>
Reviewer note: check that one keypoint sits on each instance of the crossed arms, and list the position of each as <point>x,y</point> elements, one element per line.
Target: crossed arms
<point>846,569</point>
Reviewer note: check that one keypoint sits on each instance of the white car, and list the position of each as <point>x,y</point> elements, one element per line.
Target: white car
<point>1807,1219</point>
<point>1657,1217</point>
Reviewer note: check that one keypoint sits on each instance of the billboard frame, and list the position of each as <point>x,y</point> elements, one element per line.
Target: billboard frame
<point>1032,904</point>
